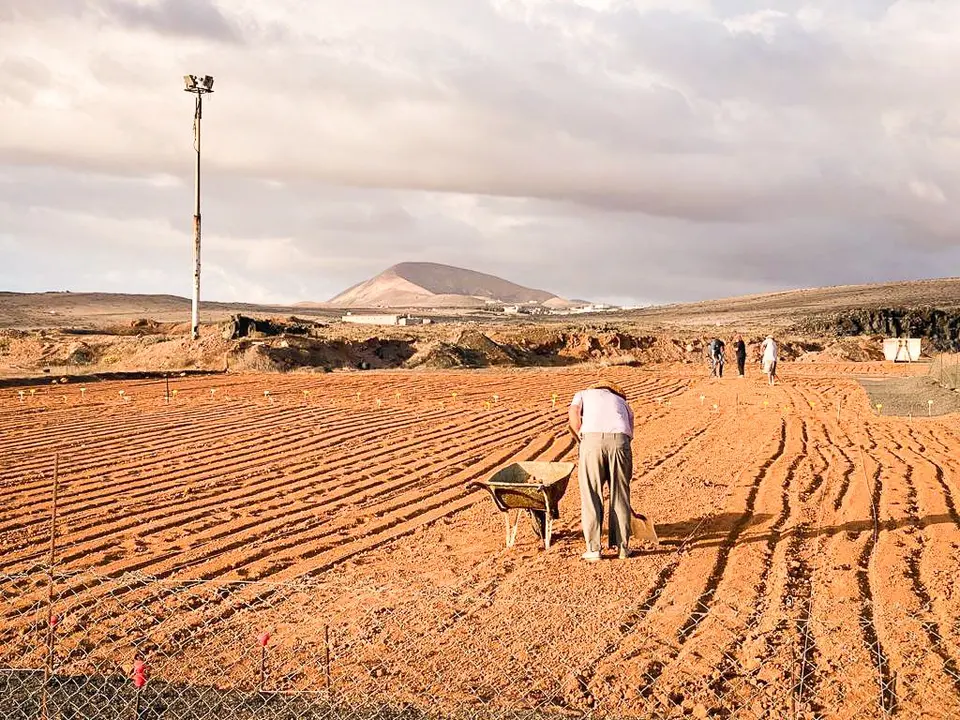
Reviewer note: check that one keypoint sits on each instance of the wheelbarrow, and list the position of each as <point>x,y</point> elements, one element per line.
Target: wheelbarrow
<point>530,488</point>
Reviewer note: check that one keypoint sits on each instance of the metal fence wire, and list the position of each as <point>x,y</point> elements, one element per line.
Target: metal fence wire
<point>133,647</point>
<point>945,369</point>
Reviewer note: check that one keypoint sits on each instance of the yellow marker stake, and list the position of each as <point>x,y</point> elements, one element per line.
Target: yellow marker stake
<point>929,407</point>
<point>398,394</point>
<point>879,408</point>
<point>21,394</point>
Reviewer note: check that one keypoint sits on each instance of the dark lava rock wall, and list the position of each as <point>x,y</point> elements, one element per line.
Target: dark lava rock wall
<point>940,327</point>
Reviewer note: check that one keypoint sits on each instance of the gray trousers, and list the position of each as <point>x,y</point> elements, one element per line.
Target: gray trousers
<point>605,459</point>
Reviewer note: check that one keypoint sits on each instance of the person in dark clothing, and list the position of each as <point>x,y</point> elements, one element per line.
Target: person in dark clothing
<point>740,349</point>
<point>715,352</point>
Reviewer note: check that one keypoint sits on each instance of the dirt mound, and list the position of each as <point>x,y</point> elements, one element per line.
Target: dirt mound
<point>296,353</point>
<point>471,349</point>
<point>439,356</point>
<point>845,350</point>
<point>242,326</point>
<point>481,351</point>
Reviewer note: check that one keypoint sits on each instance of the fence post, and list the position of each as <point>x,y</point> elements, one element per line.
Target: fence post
<point>48,663</point>
<point>326,660</point>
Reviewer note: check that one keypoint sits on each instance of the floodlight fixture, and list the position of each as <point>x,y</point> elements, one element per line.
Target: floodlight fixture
<point>199,86</point>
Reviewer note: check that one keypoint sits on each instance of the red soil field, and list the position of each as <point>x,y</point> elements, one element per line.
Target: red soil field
<point>807,565</point>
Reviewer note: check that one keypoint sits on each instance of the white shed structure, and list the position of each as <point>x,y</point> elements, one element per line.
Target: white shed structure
<point>901,349</point>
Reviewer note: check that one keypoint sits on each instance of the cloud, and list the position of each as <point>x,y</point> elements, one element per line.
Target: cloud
<point>186,18</point>
<point>650,149</point>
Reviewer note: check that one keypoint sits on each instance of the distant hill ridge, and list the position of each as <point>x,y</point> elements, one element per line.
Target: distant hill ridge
<point>425,284</point>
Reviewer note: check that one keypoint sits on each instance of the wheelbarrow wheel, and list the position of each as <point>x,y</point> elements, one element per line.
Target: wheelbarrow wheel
<point>538,518</point>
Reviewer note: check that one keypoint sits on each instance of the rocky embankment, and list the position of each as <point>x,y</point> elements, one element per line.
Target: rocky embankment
<point>941,328</point>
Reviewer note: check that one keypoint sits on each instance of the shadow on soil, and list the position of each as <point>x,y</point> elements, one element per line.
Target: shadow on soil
<point>718,529</point>
<point>97,377</point>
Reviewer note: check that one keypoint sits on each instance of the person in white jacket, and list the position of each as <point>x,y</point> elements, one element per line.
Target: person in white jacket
<point>769,358</point>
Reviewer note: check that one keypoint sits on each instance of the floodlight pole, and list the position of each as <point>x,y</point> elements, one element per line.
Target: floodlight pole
<point>198,86</point>
<point>195,315</point>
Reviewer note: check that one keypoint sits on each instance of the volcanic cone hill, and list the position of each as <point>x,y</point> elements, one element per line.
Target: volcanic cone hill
<point>424,284</point>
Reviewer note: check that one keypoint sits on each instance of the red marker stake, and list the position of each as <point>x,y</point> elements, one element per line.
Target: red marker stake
<point>263,639</point>
<point>140,671</point>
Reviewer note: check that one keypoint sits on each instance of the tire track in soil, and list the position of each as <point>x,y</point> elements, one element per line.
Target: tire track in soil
<point>633,618</point>
<point>929,623</point>
<point>704,601</point>
<point>848,659</point>
<point>651,674</point>
<point>678,660</point>
<point>797,597</point>
<point>796,587</point>
<point>886,689</point>
<point>910,541</point>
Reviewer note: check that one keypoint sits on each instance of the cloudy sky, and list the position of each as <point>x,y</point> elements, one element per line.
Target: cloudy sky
<point>627,150</point>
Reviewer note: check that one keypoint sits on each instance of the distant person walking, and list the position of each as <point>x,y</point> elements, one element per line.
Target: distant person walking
<point>715,352</point>
<point>740,350</point>
<point>769,358</point>
<point>603,422</point>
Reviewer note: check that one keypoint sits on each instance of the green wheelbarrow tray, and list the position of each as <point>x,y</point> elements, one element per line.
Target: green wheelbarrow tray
<point>529,488</point>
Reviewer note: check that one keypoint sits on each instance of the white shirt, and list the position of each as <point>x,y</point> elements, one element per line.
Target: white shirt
<point>769,350</point>
<point>603,412</point>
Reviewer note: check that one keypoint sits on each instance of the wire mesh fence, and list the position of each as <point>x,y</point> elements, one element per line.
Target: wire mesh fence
<point>945,369</point>
<point>85,645</point>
